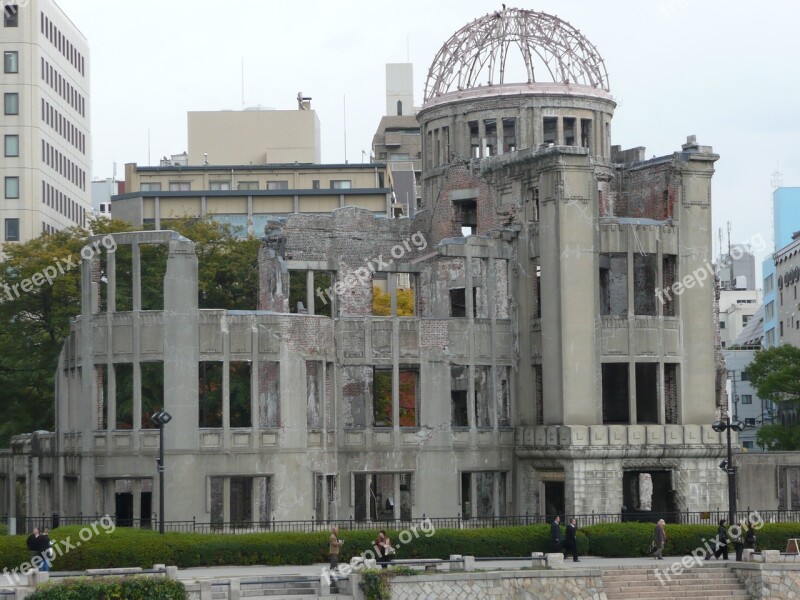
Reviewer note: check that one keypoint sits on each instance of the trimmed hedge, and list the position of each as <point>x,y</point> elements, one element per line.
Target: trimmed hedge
<point>134,547</point>
<point>130,588</point>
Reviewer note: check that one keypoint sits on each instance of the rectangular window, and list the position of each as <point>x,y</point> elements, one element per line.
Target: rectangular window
<point>12,145</point>
<point>180,186</point>
<point>210,394</point>
<point>315,184</point>
<point>747,445</point>
<point>751,421</point>
<point>459,389</point>
<point>550,130</point>
<point>614,284</point>
<point>248,185</point>
<point>239,393</point>
<point>219,185</point>
<point>340,184</point>
<point>722,324</point>
<point>615,393</point>
<point>11,103</point>
<point>12,187</point>
<point>747,398</point>
<point>10,15</point>
<point>150,187</point>
<point>644,284</point>
<point>12,230</point>
<point>11,61</point>
<point>745,319</point>
<point>745,376</point>
<point>382,398</point>
<point>277,185</point>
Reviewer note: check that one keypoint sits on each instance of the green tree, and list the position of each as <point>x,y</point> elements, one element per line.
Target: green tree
<point>775,373</point>
<point>35,312</point>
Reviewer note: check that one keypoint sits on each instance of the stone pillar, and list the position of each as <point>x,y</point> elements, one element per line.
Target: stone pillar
<point>310,292</point>
<point>157,210</point>
<point>367,496</point>
<point>396,492</point>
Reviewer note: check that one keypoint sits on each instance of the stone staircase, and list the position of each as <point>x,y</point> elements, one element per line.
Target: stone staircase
<point>707,582</point>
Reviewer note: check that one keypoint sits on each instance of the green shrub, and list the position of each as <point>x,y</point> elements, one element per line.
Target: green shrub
<point>773,536</point>
<point>130,588</point>
<point>3,529</point>
<point>377,583</point>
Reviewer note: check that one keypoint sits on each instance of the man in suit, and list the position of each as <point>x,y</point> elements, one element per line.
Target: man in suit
<point>555,535</point>
<point>571,541</point>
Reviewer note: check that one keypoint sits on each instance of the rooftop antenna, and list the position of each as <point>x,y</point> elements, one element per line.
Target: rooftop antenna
<point>344,120</point>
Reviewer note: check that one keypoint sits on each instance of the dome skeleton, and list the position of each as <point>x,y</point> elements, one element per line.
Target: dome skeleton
<point>477,53</point>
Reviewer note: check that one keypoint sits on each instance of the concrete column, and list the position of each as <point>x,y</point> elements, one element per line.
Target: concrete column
<point>255,362</point>
<point>630,242</point>
<point>226,499</point>
<point>341,201</point>
<point>473,495</point>
<point>559,131</point>
<point>392,280</point>
<point>136,268</point>
<point>310,292</point>
<point>496,494</point>
<point>482,136</point>
<point>499,128</point>
<point>83,402</point>
<point>137,501</point>
<point>470,308</point>
<point>203,206</point>
<point>156,212</point>
<point>323,407</point>
<point>367,494</point>
<point>33,487</point>
<point>111,307</point>
<point>396,507</point>
<point>296,203</point>
<point>226,383</point>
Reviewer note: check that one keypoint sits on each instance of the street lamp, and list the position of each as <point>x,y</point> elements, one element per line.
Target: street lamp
<point>160,419</point>
<point>727,465</point>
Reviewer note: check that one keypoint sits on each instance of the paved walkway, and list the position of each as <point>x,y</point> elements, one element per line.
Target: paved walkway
<point>200,573</point>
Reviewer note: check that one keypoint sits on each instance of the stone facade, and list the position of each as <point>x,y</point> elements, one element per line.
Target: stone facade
<point>546,342</point>
<point>774,581</point>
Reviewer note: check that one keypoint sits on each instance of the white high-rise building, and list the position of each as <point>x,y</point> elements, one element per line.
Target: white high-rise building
<point>46,166</point>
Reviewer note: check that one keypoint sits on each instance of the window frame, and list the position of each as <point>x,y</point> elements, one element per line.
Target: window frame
<point>7,181</point>
<point>6,224</point>
<point>341,184</point>
<point>7,96</point>
<point>180,186</point>
<point>10,15</point>
<point>7,66</point>
<point>6,139</point>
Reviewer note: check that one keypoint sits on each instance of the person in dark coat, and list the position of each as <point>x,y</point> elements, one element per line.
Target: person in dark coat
<point>722,541</point>
<point>571,541</point>
<point>750,536</point>
<point>555,535</point>
<point>659,540</point>
<point>738,542</point>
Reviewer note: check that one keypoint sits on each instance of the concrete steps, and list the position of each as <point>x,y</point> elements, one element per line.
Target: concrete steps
<point>705,582</point>
<point>273,588</point>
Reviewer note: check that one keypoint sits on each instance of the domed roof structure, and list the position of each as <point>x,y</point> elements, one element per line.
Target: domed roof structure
<point>552,51</point>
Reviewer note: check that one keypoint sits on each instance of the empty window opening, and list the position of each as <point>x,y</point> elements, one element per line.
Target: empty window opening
<point>570,131</point>
<point>241,500</point>
<point>537,309</point>
<point>586,133</point>
<point>652,500</point>
<point>408,385</point>
<point>355,391</point>
<point>665,296</point>
<point>538,394</point>
<point>467,217</point>
<point>152,385</point>
<point>554,497</point>
<point>615,393</point>
<point>326,495</point>
<point>123,375</point>
<point>490,132</point>
<point>239,393</point>
<point>382,299</point>
<point>123,278</point>
<point>614,284</point>
<point>509,134</point>
<point>382,398</point>
<point>459,388</point>
<point>399,108</point>
<point>314,394</point>
<point>483,389</point>
<point>153,266</point>
<point>466,495</point>
<point>535,205</point>
<point>671,383</point>
<point>644,284</point>
<point>647,393</point>
<point>458,302</point>
<point>474,140</point>
<point>550,130</point>
<point>210,394</point>
<point>376,492</point>
<point>320,297</point>
<point>101,406</point>
<point>269,394</point>
<point>504,416</point>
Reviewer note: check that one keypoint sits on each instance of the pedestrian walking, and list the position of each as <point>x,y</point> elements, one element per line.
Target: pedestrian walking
<point>571,540</point>
<point>555,535</point>
<point>659,540</point>
<point>721,541</point>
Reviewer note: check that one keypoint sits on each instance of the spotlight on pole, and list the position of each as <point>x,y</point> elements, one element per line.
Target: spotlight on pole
<point>160,419</point>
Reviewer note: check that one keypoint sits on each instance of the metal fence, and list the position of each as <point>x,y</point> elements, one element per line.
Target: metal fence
<point>194,526</point>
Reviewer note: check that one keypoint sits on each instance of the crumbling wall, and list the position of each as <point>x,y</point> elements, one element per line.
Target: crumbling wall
<point>644,192</point>
<point>356,395</point>
<point>269,394</point>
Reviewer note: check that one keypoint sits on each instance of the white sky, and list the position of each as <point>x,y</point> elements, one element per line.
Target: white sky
<point>726,71</point>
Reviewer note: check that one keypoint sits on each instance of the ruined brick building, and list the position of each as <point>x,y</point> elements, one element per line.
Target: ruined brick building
<point>556,353</point>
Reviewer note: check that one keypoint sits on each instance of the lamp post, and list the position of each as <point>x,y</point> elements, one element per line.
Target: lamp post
<point>727,465</point>
<point>160,419</point>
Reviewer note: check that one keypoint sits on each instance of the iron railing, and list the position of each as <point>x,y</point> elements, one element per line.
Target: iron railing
<point>711,517</point>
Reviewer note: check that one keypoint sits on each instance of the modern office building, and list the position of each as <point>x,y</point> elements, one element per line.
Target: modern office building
<point>736,269</point>
<point>248,196</point>
<point>46,166</point>
<point>397,140</point>
<point>102,192</point>
<point>255,136</point>
<point>736,309</point>
<point>552,355</point>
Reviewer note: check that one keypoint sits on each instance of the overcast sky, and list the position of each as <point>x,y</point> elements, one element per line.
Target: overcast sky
<point>726,71</point>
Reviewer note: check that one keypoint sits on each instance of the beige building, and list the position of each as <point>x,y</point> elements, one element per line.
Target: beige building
<point>46,166</point>
<point>397,140</point>
<point>552,356</point>
<point>248,196</point>
<point>256,136</point>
